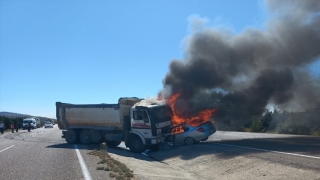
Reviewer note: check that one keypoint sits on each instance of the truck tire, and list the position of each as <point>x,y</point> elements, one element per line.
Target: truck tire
<point>136,145</point>
<point>71,136</point>
<point>113,143</point>
<point>85,137</point>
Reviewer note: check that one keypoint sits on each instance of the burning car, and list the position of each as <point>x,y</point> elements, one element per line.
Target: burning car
<point>190,126</point>
<point>188,134</point>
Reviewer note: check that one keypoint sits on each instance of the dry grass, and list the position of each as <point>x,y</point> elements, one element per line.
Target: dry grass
<point>100,168</point>
<point>119,170</point>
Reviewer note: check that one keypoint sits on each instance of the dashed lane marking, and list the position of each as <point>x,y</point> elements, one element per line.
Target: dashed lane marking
<point>6,148</point>
<point>279,152</point>
<point>83,165</point>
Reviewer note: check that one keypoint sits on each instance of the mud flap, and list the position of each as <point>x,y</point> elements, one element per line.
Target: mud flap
<point>127,138</point>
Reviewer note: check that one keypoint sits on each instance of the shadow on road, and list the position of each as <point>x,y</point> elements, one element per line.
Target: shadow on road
<point>115,150</point>
<point>300,145</point>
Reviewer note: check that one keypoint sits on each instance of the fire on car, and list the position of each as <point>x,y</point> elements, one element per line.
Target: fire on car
<point>189,129</point>
<point>189,134</point>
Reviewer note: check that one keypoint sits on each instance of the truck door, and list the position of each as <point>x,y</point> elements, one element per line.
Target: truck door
<point>141,122</point>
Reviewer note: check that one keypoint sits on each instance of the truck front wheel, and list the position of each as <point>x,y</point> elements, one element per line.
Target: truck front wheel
<point>136,145</point>
<point>71,136</point>
<point>85,137</point>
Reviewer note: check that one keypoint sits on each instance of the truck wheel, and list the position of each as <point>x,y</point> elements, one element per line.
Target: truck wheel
<point>113,143</point>
<point>189,141</point>
<point>71,136</point>
<point>85,137</point>
<point>136,145</point>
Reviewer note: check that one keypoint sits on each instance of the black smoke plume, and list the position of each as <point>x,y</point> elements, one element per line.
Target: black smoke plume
<point>255,68</point>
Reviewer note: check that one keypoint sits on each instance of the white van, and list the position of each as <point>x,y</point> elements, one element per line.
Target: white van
<point>33,123</point>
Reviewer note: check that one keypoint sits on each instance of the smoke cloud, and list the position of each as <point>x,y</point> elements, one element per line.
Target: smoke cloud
<point>257,67</point>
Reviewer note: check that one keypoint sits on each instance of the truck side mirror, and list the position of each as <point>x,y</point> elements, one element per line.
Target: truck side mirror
<point>145,117</point>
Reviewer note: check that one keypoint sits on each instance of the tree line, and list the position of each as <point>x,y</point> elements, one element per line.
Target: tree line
<point>234,117</point>
<point>8,121</point>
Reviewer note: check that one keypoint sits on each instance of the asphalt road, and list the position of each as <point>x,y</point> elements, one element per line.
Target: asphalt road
<point>43,154</point>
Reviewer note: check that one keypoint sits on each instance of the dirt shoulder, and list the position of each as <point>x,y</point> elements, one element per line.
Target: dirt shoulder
<point>209,161</point>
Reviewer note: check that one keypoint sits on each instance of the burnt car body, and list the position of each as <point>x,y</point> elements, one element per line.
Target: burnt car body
<point>192,134</point>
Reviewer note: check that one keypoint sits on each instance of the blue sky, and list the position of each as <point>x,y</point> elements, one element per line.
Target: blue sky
<point>97,51</point>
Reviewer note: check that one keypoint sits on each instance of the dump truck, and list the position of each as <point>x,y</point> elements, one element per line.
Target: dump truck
<point>139,126</point>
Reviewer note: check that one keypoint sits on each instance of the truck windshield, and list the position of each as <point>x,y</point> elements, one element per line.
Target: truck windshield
<point>161,113</point>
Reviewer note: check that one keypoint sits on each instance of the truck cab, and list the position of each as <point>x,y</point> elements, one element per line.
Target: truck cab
<point>148,125</point>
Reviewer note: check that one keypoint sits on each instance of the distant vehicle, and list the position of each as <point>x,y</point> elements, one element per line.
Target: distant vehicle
<point>48,125</point>
<point>194,134</point>
<point>38,122</point>
<point>33,122</point>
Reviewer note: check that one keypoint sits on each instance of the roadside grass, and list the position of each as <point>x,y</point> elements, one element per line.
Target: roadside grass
<point>115,168</point>
<point>20,129</point>
<point>9,130</point>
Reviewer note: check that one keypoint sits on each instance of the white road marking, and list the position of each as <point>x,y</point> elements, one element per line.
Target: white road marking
<point>279,152</point>
<point>6,148</point>
<point>84,168</point>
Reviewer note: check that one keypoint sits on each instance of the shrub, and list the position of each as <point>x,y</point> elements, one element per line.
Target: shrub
<point>100,168</point>
<point>256,126</point>
<point>120,177</point>
<point>291,127</point>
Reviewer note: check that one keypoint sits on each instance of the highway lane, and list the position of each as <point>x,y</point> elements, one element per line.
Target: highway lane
<point>31,159</point>
<point>43,154</point>
<point>302,152</point>
<point>290,144</point>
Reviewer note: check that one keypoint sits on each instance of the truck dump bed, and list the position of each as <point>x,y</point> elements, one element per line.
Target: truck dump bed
<point>92,116</point>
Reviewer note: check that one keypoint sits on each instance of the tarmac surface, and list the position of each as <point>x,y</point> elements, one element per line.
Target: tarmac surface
<point>43,154</point>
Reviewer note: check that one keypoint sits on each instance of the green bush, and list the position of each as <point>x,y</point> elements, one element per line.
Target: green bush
<point>256,126</point>
<point>291,126</point>
<point>8,121</point>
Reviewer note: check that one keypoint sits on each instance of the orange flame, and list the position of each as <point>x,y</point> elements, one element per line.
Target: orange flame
<point>177,130</point>
<point>178,118</point>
